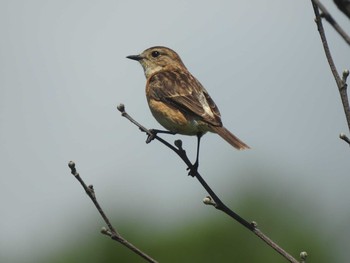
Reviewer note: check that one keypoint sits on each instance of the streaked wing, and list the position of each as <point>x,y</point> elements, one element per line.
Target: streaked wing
<point>184,92</point>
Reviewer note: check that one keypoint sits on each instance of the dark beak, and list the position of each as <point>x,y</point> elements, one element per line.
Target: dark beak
<point>135,57</point>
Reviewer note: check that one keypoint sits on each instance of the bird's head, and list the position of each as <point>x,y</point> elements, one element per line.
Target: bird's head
<point>156,59</point>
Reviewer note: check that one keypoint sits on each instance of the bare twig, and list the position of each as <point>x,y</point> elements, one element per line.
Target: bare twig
<point>341,81</point>
<point>111,232</point>
<point>331,21</point>
<point>213,199</point>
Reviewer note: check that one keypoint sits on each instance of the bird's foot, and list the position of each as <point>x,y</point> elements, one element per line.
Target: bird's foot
<point>193,169</point>
<point>153,134</point>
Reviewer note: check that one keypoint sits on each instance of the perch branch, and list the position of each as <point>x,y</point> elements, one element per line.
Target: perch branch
<point>213,199</point>
<point>111,232</point>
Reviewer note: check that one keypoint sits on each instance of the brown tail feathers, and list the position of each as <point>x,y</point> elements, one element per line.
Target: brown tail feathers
<point>230,138</point>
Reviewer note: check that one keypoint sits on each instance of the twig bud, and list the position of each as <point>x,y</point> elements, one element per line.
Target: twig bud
<point>303,256</point>
<point>121,107</point>
<point>71,165</point>
<point>209,201</point>
<point>73,170</point>
<point>91,191</point>
<point>178,144</point>
<point>254,224</point>
<point>104,230</point>
<point>344,85</point>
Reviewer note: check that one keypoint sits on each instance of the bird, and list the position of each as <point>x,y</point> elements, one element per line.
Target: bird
<point>178,101</point>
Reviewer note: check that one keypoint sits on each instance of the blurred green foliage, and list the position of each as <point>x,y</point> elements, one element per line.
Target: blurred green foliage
<point>215,238</point>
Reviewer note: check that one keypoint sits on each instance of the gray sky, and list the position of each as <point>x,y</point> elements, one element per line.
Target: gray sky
<point>64,71</point>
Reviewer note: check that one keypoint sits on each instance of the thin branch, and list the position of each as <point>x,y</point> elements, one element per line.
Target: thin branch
<point>341,81</point>
<point>331,21</point>
<point>320,28</point>
<point>344,6</point>
<point>213,199</point>
<point>111,232</point>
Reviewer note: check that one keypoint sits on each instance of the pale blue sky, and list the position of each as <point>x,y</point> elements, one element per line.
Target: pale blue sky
<point>64,71</point>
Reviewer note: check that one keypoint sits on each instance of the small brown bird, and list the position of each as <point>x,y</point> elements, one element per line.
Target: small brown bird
<point>178,101</point>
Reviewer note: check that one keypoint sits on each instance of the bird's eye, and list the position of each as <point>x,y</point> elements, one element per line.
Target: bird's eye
<point>155,54</point>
